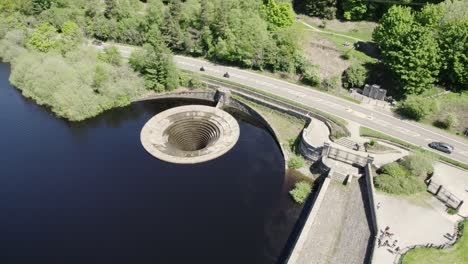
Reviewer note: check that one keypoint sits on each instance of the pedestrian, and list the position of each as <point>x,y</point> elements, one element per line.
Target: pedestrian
<point>378,206</point>
<point>397,249</point>
<point>394,243</point>
<point>385,243</point>
<point>389,234</point>
<point>379,242</point>
<point>387,228</point>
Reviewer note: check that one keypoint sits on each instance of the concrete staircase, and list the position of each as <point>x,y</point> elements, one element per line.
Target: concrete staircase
<point>349,143</point>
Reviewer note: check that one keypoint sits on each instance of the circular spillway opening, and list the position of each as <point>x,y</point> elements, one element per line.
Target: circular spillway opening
<point>190,134</point>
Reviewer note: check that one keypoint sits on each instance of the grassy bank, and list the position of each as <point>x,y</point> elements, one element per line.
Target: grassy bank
<point>367,132</point>
<point>285,125</point>
<point>338,124</point>
<point>456,254</point>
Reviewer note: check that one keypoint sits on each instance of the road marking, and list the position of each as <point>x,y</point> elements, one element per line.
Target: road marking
<point>405,131</point>
<point>382,123</point>
<point>330,97</point>
<point>464,153</point>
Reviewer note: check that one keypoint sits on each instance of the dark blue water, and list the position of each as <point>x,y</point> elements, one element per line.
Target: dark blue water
<point>89,193</point>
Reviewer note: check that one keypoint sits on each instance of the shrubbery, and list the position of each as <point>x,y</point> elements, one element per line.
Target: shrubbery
<point>296,162</point>
<point>355,76</point>
<point>420,165</point>
<point>406,176</point>
<point>75,86</point>
<point>301,191</point>
<point>416,107</point>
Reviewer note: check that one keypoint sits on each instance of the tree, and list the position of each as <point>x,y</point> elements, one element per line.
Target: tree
<point>354,76</point>
<point>44,38</point>
<point>70,37</point>
<point>354,9</point>
<point>301,191</point>
<point>157,67</point>
<point>415,107</point>
<point>321,8</point>
<point>111,55</point>
<point>410,50</point>
<point>278,15</point>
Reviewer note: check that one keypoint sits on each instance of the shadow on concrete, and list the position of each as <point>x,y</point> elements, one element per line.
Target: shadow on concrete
<point>294,236</point>
<point>367,207</point>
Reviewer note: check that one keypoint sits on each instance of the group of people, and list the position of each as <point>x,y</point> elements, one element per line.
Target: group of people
<point>385,238</point>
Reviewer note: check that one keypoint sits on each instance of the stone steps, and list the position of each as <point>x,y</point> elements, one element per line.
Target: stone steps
<point>349,143</point>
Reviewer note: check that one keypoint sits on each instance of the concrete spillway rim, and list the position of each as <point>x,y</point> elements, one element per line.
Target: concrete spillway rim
<point>157,142</point>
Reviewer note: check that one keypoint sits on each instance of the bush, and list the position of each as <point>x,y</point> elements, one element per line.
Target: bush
<point>310,74</point>
<point>329,83</point>
<point>416,107</point>
<point>354,76</point>
<point>399,185</point>
<point>372,142</point>
<point>452,211</point>
<point>296,162</point>
<point>419,164</point>
<point>301,191</point>
<point>400,178</point>
<point>451,121</point>
<point>394,169</point>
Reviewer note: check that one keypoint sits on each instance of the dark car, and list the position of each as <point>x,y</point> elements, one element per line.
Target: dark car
<point>444,147</point>
<point>97,42</point>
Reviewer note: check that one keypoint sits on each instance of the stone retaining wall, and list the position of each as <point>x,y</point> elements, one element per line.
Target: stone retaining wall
<point>293,257</point>
<point>373,209</point>
<point>209,96</point>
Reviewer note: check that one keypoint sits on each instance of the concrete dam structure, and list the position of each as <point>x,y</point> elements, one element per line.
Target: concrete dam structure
<point>190,134</point>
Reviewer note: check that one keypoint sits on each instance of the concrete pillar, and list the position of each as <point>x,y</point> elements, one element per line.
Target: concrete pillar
<point>222,97</point>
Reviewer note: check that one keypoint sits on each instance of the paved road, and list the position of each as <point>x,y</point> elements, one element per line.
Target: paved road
<point>380,120</point>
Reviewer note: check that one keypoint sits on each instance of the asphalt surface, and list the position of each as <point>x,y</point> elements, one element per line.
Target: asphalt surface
<point>378,119</point>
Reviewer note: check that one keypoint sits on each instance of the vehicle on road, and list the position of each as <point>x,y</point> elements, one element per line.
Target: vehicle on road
<point>97,42</point>
<point>444,147</point>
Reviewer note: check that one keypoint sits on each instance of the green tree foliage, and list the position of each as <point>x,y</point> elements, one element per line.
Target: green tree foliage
<point>74,86</point>
<point>426,47</point>
<point>409,49</point>
<point>44,38</point>
<point>415,107</point>
<point>111,55</point>
<point>451,121</point>
<point>354,76</point>
<point>157,67</point>
<point>12,45</point>
<point>301,191</point>
<point>320,8</point>
<point>354,9</point>
<point>453,42</point>
<point>278,15</point>
<point>419,165</point>
<point>71,36</point>
<point>296,162</point>
<point>395,178</point>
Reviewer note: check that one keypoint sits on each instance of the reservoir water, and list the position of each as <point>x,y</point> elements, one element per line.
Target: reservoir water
<point>88,192</point>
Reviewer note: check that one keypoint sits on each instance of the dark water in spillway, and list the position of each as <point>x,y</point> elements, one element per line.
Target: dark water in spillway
<point>89,193</point>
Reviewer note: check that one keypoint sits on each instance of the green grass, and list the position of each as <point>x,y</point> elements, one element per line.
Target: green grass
<point>367,132</point>
<point>338,124</point>
<point>357,55</point>
<point>458,254</point>
<point>455,103</point>
<point>361,31</point>
<point>285,125</point>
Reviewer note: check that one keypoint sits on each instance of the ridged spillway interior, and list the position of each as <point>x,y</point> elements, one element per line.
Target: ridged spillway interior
<point>192,134</point>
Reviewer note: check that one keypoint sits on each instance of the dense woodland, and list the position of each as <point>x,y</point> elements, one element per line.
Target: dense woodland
<point>421,45</point>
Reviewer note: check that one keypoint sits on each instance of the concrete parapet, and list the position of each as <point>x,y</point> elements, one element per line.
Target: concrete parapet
<point>373,209</point>
<point>310,221</point>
